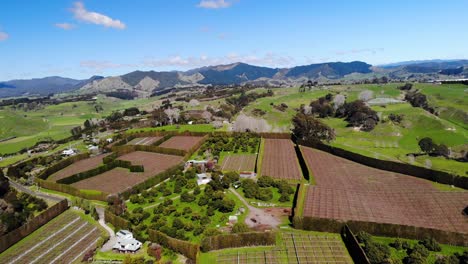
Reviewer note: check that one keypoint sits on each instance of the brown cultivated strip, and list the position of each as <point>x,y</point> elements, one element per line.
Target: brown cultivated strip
<point>154,163</point>
<point>146,141</point>
<point>181,142</point>
<point>351,191</point>
<point>119,179</point>
<point>280,161</point>
<point>239,162</point>
<point>77,167</point>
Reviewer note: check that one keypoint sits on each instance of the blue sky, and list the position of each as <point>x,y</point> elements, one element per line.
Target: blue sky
<point>79,39</point>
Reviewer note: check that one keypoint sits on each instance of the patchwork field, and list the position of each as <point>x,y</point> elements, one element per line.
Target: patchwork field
<point>350,191</point>
<point>144,141</point>
<point>239,162</point>
<point>77,167</point>
<point>181,142</point>
<point>63,240</point>
<point>118,179</point>
<point>279,160</point>
<point>295,248</point>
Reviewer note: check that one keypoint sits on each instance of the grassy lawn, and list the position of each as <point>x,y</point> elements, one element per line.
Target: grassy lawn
<point>274,202</point>
<point>393,142</point>
<point>111,255</point>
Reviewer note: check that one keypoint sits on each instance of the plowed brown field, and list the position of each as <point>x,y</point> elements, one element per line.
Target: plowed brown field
<point>181,142</point>
<point>348,190</point>
<point>280,160</point>
<point>119,179</point>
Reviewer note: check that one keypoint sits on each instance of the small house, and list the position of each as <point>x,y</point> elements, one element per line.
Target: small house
<point>126,242</point>
<point>68,152</point>
<point>203,178</point>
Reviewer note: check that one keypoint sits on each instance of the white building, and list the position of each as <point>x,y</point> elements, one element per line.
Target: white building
<point>68,152</point>
<point>202,178</point>
<point>126,242</point>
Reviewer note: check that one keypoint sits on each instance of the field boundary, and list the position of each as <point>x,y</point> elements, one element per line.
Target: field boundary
<point>64,188</point>
<point>188,249</point>
<point>380,229</point>
<point>238,240</point>
<point>403,168</point>
<point>32,225</point>
<point>355,250</point>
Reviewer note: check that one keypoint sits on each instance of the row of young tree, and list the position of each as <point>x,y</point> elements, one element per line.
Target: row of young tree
<point>379,253</point>
<point>16,208</point>
<point>262,189</point>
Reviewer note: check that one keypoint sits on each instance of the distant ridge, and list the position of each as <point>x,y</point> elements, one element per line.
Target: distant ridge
<point>145,83</point>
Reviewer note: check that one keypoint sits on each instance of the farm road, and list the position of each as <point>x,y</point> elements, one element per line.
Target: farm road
<point>261,217</point>
<point>112,238</point>
<point>22,188</point>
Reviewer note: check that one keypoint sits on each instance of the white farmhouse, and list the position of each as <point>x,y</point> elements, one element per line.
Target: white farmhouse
<point>68,152</point>
<point>126,242</point>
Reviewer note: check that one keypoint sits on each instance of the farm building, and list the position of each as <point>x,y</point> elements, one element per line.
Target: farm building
<point>68,152</point>
<point>126,242</point>
<point>203,178</point>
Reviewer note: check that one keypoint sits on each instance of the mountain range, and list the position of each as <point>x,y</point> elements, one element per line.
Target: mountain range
<point>145,83</point>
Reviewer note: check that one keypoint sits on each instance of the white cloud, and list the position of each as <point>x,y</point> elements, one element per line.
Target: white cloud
<point>65,26</point>
<point>214,4</point>
<point>84,15</point>
<point>268,59</point>
<point>3,36</point>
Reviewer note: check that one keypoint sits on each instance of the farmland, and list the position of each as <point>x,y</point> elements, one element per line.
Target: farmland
<point>181,142</point>
<point>292,247</point>
<point>65,239</point>
<point>118,179</point>
<point>239,162</point>
<point>350,191</point>
<point>144,141</point>
<point>77,167</point>
<point>387,140</point>
<point>280,161</point>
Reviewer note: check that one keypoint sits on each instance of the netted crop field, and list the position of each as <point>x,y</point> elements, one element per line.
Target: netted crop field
<point>239,162</point>
<point>63,240</point>
<point>119,179</point>
<point>296,248</point>
<point>144,141</point>
<point>77,167</point>
<point>351,191</point>
<point>181,142</point>
<point>280,160</point>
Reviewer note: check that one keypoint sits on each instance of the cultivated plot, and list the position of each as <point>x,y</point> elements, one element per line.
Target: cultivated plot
<point>146,141</point>
<point>77,167</point>
<point>350,191</point>
<point>239,162</point>
<point>280,160</point>
<point>296,248</point>
<point>308,248</point>
<point>63,240</point>
<point>119,179</point>
<point>181,142</point>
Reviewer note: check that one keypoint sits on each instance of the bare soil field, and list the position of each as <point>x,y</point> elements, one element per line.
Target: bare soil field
<point>144,141</point>
<point>181,142</point>
<point>239,162</point>
<point>280,160</point>
<point>119,179</point>
<point>77,167</point>
<point>63,240</point>
<point>154,163</point>
<point>351,191</point>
